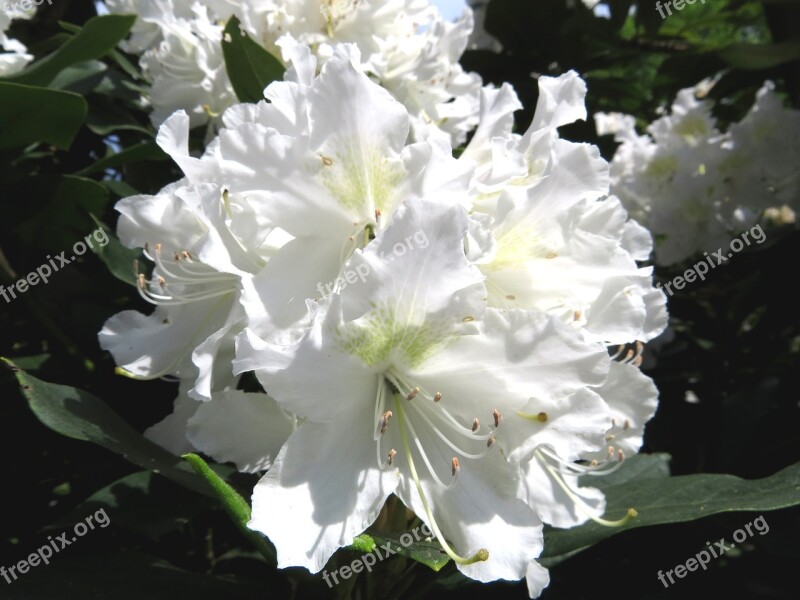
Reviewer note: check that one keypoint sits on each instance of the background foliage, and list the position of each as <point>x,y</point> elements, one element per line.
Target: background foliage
<point>74,138</point>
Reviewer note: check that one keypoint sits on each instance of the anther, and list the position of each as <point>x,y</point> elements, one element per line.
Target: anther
<point>609,437</point>
<point>542,417</point>
<point>475,425</point>
<point>327,161</point>
<point>620,455</point>
<point>385,421</point>
<point>437,396</point>
<point>511,297</point>
<point>626,425</point>
<point>613,422</point>
<point>162,282</point>
<point>576,316</point>
<point>392,454</point>
<point>497,418</point>
<point>454,466</point>
<point>468,319</point>
<point>412,394</point>
<point>490,442</point>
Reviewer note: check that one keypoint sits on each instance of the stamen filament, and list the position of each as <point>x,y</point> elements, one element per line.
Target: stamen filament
<point>481,554</point>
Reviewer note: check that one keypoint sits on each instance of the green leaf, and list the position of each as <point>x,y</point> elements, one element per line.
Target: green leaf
<point>33,114</point>
<point>143,503</point>
<point>66,213</point>
<point>95,39</point>
<point>250,67</point>
<point>80,78</point>
<point>429,554</point>
<point>237,507</point>
<point>119,259</point>
<point>82,416</point>
<point>137,153</point>
<point>125,576</point>
<point>676,500</point>
<point>760,56</point>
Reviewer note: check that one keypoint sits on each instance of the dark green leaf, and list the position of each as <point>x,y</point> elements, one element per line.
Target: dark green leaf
<point>80,415</point>
<point>144,503</point>
<point>760,56</point>
<point>96,38</point>
<point>139,152</point>
<point>33,114</point>
<point>119,259</point>
<point>678,499</point>
<point>66,214</point>
<point>250,67</point>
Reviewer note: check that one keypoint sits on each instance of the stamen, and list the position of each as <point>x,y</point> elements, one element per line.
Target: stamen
<point>392,454</point>
<point>497,418</point>
<point>475,425</point>
<point>541,417</point>
<point>580,503</point>
<point>385,421</point>
<point>481,554</point>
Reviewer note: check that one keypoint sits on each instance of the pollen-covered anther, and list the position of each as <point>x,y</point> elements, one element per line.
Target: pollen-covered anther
<point>326,160</point>
<point>392,454</point>
<point>611,451</point>
<point>576,316</point>
<point>162,282</point>
<point>497,418</point>
<point>594,462</point>
<point>542,417</point>
<point>475,425</point>
<point>385,421</point>
<point>412,394</point>
<point>609,437</point>
<point>437,396</point>
<point>186,254</point>
<point>620,455</point>
<point>454,466</point>
<point>490,442</point>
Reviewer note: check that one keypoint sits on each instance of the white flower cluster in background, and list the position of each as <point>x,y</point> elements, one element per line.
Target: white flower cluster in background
<point>13,54</point>
<point>460,358</point>
<point>693,186</point>
<point>405,46</point>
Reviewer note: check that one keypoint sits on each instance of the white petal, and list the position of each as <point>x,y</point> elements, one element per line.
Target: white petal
<point>247,429</point>
<point>537,578</point>
<point>323,489</point>
<point>170,433</point>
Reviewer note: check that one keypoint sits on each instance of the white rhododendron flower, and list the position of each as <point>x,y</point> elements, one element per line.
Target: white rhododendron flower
<point>561,244</point>
<point>13,53</point>
<point>405,368</point>
<point>405,44</point>
<point>693,186</point>
<point>436,327</point>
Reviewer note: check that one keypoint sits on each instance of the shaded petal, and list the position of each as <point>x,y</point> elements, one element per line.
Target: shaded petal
<point>246,429</point>
<point>323,489</point>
